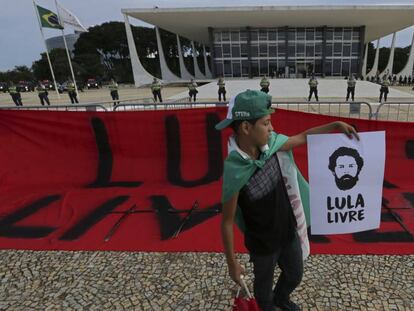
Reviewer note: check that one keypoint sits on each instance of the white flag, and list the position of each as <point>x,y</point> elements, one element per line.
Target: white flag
<point>66,17</point>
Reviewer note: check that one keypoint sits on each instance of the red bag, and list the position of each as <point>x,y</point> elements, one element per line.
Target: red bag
<point>245,304</point>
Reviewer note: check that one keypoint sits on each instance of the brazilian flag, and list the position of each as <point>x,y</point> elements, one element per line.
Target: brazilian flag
<point>48,19</point>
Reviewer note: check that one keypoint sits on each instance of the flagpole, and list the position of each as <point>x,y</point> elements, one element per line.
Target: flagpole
<point>47,53</point>
<point>67,51</point>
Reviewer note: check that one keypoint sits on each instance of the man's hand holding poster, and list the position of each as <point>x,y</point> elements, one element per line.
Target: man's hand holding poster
<point>346,178</point>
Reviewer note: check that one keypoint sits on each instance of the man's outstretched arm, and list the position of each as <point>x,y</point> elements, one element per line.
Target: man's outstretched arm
<point>300,139</point>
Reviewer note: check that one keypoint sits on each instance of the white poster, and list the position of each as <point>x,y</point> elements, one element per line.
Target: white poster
<point>346,178</point>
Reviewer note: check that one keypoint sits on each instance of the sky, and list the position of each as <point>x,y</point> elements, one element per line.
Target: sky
<point>21,42</point>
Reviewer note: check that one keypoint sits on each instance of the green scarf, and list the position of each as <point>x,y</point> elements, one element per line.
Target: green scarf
<point>237,172</point>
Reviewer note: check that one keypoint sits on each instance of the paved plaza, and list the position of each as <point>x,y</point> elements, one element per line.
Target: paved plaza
<point>58,280</point>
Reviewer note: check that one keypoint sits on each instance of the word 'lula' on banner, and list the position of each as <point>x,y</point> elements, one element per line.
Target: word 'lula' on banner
<point>346,178</point>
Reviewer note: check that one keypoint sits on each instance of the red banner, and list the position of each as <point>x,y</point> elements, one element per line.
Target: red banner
<point>151,181</point>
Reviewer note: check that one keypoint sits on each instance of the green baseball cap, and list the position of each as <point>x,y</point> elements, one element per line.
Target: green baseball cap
<point>247,105</point>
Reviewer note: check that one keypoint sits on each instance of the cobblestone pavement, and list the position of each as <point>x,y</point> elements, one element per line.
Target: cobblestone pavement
<point>57,280</point>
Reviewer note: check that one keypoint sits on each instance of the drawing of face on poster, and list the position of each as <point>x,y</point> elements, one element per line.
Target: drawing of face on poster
<point>345,164</point>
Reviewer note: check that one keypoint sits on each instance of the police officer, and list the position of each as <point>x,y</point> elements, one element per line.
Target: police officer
<point>192,90</point>
<point>264,84</point>
<point>72,92</point>
<point>351,87</point>
<point>113,88</point>
<point>15,94</point>
<point>43,94</point>
<point>313,87</point>
<point>156,89</point>
<point>221,89</point>
<point>384,88</point>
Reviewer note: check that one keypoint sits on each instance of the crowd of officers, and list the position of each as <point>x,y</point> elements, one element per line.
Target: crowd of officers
<point>156,88</point>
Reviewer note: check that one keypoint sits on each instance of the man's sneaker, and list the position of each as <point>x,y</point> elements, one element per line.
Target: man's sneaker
<point>287,306</point>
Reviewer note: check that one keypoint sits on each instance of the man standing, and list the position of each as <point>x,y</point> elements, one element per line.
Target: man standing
<point>313,87</point>
<point>156,90</point>
<point>221,89</point>
<point>15,94</point>
<point>43,94</point>
<point>264,84</point>
<point>351,87</point>
<point>258,178</point>
<point>72,92</point>
<point>113,87</point>
<point>384,88</point>
<point>192,90</point>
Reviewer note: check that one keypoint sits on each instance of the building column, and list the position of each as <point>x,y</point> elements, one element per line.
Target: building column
<point>212,54</point>
<point>364,64</point>
<point>183,70</point>
<point>362,60</point>
<point>390,63</point>
<point>141,76</point>
<point>206,69</point>
<point>408,68</point>
<point>166,73</point>
<point>374,69</point>
<point>197,72</point>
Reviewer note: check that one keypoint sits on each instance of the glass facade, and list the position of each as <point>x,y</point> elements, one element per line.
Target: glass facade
<point>275,51</point>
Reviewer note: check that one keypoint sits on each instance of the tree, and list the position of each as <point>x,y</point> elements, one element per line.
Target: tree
<point>60,63</point>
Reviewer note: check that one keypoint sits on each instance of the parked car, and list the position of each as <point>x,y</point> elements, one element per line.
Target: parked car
<point>25,86</point>
<point>92,84</point>
<point>4,87</point>
<point>48,84</point>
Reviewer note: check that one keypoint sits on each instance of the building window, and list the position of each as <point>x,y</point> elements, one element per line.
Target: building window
<point>318,49</point>
<point>255,68</point>
<point>291,35</point>
<point>329,50</point>
<point>272,35</point>
<point>310,50</point>
<point>254,35</point>
<point>355,49</point>
<point>244,52</point>
<point>338,34</point>
<point>235,50</point>
<point>235,36</point>
<point>219,68</point>
<point>217,37</point>
<point>218,51</point>
<point>336,67</point>
<point>226,50</point>
<point>227,68</point>
<point>337,49</point>
<point>225,36</point>
<point>263,49</point>
<point>300,49</point>
<point>255,51</point>
<point>328,68</point>
<point>310,34</point>
<point>347,50</point>
<point>245,67</point>
<point>272,50</point>
<point>300,34</point>
<point>264,67</point>
<point>236,69</point>
<point>243,35</point>
<point>345,67</point>
<point>263,35</point>
<point>291,50</point>
<point>329,34</point>
<point>347,34</point>
<point>281,34</point>
<point>281,51</point>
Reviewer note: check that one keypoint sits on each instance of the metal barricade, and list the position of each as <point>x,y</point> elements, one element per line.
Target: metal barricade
<point>395,111</point>
<point>70,107</point>
<point>167,106</point>
<point>359,110</point>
